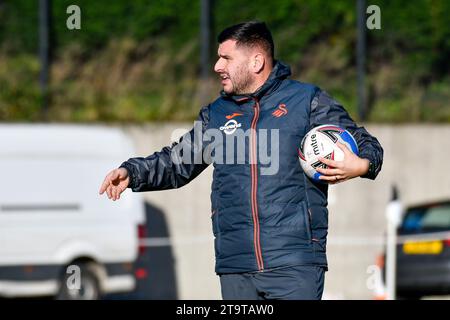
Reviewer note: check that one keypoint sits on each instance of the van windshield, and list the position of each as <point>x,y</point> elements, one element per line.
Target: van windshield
<point>436,218</point>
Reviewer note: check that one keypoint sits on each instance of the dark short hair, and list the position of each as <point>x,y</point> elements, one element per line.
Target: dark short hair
<point>252,33</point>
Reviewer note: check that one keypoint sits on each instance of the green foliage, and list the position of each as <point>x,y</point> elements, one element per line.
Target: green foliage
<point>139,60</point>
<point>19,94</point>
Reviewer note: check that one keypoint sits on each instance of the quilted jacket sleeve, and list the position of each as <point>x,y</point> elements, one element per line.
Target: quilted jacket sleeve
<point>174,166</point>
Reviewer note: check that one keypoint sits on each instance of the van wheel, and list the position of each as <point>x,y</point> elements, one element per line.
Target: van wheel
<point>89,288</point>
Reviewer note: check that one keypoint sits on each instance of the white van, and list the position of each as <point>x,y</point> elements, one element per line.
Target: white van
<point>58,236</point>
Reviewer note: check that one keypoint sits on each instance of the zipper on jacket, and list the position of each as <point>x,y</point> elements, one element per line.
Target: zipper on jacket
<point>254,176</point>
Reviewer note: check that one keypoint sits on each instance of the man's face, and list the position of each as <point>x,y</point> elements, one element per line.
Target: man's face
<point>233,68</point>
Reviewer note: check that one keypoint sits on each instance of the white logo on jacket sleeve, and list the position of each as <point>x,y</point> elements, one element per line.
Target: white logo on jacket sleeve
<point>230,126</point>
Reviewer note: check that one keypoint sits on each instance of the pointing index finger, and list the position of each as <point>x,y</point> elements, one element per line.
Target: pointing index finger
<point>104,185</point>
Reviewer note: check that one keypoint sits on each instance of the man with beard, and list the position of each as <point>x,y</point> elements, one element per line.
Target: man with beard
<point>270,229</point>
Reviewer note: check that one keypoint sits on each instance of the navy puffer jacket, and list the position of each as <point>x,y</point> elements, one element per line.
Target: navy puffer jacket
<point>265,214</point>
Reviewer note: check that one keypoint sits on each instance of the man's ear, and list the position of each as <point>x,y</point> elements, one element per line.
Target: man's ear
<point>257,63</point>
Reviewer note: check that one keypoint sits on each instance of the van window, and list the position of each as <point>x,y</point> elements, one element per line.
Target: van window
<point>422,219</point>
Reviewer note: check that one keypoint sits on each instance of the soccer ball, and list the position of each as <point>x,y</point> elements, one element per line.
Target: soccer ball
<point>321,142</point>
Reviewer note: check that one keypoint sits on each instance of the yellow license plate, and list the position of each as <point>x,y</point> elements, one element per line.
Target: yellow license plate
<point>423,247</point>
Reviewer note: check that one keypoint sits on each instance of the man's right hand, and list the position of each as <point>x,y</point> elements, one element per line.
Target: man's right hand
<point>115,183</point>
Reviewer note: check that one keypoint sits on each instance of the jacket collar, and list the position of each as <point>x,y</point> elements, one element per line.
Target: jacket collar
<point>279,72</point>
